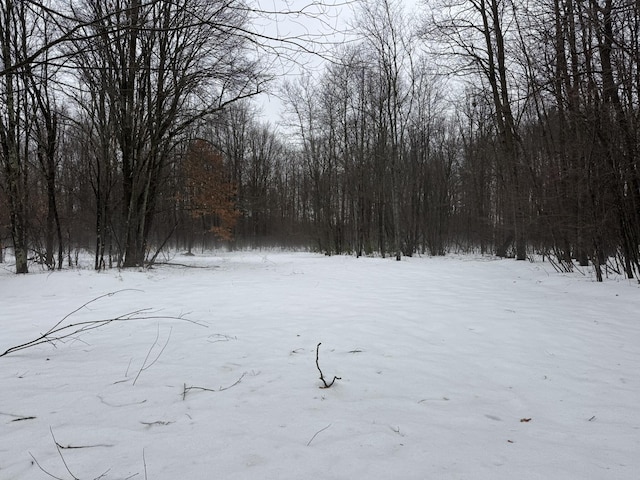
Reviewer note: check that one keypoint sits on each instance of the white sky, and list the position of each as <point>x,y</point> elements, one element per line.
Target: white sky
<point>328,24</point>
<point>317,26</point>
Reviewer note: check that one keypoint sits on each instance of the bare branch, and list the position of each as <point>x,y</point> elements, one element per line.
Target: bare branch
<point>203,389</point>
<point>60,332</point>
<point>42,469</point>
<point>144,364</point>
<point>326,385</point>
<point>317,433</point>
<point>59,448</point>
<point>64,462</point>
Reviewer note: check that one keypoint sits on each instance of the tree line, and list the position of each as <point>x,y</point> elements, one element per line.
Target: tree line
<point>478,125</point>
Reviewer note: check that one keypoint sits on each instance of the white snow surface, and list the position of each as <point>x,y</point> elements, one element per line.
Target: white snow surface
<point>450,368</point>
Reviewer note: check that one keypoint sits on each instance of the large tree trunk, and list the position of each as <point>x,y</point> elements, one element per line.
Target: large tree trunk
<point>511,153</point>
<point>10,133</point>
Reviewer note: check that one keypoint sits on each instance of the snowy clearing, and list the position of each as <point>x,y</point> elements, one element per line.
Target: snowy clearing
<point>451,368</point>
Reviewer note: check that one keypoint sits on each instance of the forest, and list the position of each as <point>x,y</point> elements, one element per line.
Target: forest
<point>131,127</point>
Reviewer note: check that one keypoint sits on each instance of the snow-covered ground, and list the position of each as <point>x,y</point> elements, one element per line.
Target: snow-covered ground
<point>451,368</point>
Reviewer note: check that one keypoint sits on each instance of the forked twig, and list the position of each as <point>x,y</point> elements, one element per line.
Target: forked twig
<point>326,385</point>
<point>59,448</point>
<point>64,462</point>
<point>155,342</point>
<point>60,332</point>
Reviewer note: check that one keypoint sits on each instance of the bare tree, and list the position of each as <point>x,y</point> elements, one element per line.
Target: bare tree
<point>16,35</point>
<point>173,64</point>
<point>387,35</point>
<point>476,33</point>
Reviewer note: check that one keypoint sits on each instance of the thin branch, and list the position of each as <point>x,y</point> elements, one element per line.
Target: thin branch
<point>64,462</point>
<point>119,405</point>
<point>85,305</point>
<point>222,389</point>
<point>326,385</point>
<point>67,36</point>
<point>155,342</point>
<point>185,265</point>
<point>18,418</point>
<point>23,418</point>
<point>163,423</point>
<point>60,332</point>
<point>317,433</point>
<point>47,336</point>
<point>203,389</point>
<point>59,448</point>
<point>43,470</point>
<point>152,261</point>
<point>78,447</point>
<point>103,474</point>
<point>144,462</point>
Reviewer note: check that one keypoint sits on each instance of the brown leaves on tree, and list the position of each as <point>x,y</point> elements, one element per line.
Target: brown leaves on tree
<point>209,194</point>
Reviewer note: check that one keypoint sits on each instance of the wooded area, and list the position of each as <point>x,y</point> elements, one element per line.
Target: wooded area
<point>493,126</point>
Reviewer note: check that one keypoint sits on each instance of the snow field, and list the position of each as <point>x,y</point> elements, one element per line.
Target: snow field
<point>440,359</point>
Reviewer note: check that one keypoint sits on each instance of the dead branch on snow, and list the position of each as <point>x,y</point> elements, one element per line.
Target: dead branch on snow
<point>60,332</point>
<point>203,389</point>
<point>326,385</point>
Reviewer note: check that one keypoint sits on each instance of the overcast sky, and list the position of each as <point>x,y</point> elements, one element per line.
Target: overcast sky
<point>326,23</point>
<point>316,28</point>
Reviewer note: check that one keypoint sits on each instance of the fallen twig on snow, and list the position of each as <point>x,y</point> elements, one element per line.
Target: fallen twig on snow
<point>118,405</point>
<point>144,462</point>
<point>155,342</point>
<point>163,423</point>
<point>326,385</point>
<point>23,418</point>
<point>18,418</point>
<point>35,460</point>
<point>203,389</point>
<point>59,448</point>
<point>184,265</point>
<point>60,332</point>
<point>317,433</point>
